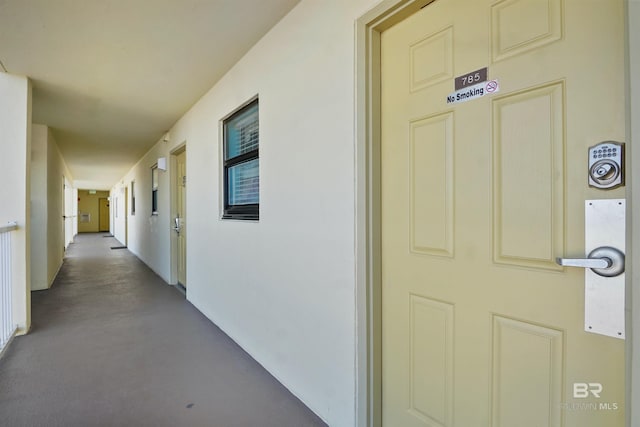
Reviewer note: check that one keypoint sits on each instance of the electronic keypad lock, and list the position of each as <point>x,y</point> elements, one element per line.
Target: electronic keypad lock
<point>606,165</point>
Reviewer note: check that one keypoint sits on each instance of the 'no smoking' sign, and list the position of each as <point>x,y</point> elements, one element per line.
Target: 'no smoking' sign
<point>472,92</point>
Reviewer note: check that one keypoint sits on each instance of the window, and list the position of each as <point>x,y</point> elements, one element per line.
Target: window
<point>133,197</point>
<point>241,164</point>
<point>154,190</point>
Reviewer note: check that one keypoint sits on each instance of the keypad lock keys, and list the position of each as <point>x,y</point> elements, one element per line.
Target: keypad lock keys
<point>606,165</point>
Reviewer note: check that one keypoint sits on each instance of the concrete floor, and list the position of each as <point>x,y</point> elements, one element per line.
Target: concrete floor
<point>113,345</point>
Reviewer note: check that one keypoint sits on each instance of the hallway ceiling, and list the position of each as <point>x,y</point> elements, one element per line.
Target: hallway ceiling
<point>110,77</point>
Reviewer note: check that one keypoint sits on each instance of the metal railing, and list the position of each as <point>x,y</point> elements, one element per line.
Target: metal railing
<point>7,326</point>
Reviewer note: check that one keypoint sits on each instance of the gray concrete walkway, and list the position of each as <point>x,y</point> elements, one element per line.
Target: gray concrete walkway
<point>113,345</point>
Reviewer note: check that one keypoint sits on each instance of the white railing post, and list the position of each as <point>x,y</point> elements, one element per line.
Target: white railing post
<point>7,326</point>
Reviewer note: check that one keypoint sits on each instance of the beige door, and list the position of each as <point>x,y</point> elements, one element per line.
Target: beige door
<point>181,215</point>
<point>480,326</point>
<point>103,214</point>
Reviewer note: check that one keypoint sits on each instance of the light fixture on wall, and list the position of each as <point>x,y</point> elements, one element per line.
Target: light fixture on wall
<point>162,163</point>
<point>166,137</point>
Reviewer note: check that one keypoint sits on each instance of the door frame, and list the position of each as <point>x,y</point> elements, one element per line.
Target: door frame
<point>64,214</point>
<point>100,213</point>
<point>126,215</point>
<point>632,35</point>
<point>369,27</point>
<point>174,207</point>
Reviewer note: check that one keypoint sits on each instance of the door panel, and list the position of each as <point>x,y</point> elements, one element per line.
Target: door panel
<point>480,326</point>
<point>181,205</point>
<point>104,214</point>
<point>535,118</point>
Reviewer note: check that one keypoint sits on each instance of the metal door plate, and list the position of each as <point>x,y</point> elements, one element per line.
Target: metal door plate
<point>604,296</point>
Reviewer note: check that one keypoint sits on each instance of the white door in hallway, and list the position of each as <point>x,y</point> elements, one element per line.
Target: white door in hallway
<point>480,326</point>
<point>126,216</point>
<point>67,211</point>
<point>180,221</point>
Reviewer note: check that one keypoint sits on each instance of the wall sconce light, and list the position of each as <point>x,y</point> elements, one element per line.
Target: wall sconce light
<point>162,163</point>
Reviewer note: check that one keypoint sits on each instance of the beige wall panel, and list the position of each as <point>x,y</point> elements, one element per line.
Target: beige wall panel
<point>431,171</point>
<point>527,374</point>
<point>521,25</point>
<point>431,351</point>
<point>424,70</point>
<point>528,177</point>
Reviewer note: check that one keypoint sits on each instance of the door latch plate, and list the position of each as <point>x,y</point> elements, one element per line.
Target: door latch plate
<point>604,296</point>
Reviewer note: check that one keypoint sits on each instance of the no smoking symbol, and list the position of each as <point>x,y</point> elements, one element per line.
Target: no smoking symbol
<point>492,86</point>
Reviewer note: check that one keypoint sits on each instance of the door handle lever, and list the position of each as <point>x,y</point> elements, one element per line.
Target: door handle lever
<point>584,262</point>
<point>604,261</point>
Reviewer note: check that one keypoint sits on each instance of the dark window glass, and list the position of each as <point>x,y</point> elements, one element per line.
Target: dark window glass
<point>242,164</point>
<point>154,190</point>
<point>133,198</point>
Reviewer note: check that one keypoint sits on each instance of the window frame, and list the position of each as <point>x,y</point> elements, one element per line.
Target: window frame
<point>133,198</point>
<point>155,185</point>
<point>246,212</point>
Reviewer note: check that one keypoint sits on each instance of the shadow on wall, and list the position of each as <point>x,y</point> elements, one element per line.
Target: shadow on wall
<point>93,211</point>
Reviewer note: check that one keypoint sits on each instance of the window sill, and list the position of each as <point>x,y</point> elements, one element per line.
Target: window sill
<point>240,218</point>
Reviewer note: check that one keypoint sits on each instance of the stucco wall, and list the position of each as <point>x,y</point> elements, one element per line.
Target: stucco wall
<point>15,142</point>
<point>282,287</point>
<point>56,239</point>
<point>48,240</point>
<point>39,256</point>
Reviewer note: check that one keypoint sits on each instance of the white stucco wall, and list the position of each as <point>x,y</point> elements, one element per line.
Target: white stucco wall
<point>283,287</point>
<point>39,254</point>
<point>48,238</point>
<point>15,143</point>
<point>149,235</point>
<point>60,202</point>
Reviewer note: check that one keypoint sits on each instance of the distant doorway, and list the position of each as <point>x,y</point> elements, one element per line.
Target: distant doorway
<point>103,214</point>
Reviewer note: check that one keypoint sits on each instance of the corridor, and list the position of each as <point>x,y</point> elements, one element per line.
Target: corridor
<point>112,344</point>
